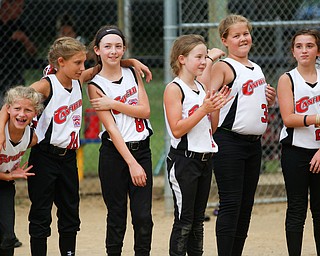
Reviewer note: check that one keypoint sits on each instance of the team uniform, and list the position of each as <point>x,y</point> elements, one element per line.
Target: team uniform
<point>189,169</point>
<point>299,145</point>
<point>10,158</point>
<point>237,164</point>
<point>55,167</point>
<point>114,173</point>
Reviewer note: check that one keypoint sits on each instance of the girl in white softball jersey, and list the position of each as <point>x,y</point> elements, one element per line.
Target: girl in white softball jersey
<point>191,115</point>
<point>299,97</point>
<point>22,104</point>
<point>242,122</point>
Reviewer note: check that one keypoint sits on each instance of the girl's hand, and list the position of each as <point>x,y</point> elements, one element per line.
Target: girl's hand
<point>102,103</point>
<point>143,70</point>
<point>315,163</point>
<point>215,54</point>
<point>138,175</point>
<point>270,95</point>
<point>21,172</point>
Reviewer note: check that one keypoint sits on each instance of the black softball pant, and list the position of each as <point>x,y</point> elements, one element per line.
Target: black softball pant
<point>56,181</point>
<point>116,185</point>
<point>7,216</point>
<point>236,167</point>
<point>190,180</point>
<point>299,181</point>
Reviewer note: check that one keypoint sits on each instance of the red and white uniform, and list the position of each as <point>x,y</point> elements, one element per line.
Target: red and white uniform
<point>247,112</point>
<point>10,157</point>
<point>126,91</point>
<point>306,102</point>
<point>199,138</point>
<point>60,122</point>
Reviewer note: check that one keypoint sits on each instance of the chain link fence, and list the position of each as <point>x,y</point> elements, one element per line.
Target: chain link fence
<point>143,23</point>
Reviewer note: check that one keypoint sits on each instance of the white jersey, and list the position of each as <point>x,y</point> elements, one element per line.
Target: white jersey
<point>125,91</point>
<point>247,112</point>
<point>10,157</point>
<point>306,102</point>
<point>59,124</point>
<point>199,138</point>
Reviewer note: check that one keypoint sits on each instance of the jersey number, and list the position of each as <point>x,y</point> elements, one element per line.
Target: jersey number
<point>264,119</point>
<point>139,124</point>
<point>73,141</point>
<point>317,132</point>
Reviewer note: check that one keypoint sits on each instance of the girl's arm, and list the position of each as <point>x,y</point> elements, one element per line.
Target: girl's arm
<point>142,69</point>
<point>172,101</point>
<point>18,173</point>
<point>286,104</point>
<point>141,110</point>
<point>4,117</point>
<point>138,175</point>
<point>212,56</point>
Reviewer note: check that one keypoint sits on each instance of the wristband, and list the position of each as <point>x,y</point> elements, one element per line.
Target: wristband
<point>208,57</point>
<point>305,121</point>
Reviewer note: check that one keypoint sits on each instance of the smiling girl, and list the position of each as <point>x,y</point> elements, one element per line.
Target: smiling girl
<point>22,105</point>
<point>125,158</point>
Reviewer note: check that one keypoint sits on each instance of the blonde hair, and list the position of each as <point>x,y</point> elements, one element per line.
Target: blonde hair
<point>21,92</point>
<point>183,45</point>
<point>230,20</point>
<point>64,47</point>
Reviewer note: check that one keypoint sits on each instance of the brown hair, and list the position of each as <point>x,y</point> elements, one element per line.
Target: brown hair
<point>183,45</point>
<point>230,20</point>
<point>64,47</point>
<point>310,32</point>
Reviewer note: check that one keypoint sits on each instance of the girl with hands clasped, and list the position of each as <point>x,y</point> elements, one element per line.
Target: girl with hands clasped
<point>125,168</point>
<point>298,94</point>
<point>242,121</point>
<point>22,105</point>
<point>191,115</point>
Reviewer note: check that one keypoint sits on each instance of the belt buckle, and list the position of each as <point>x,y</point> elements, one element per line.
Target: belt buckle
<point>64,153</point>
<point>204,157</point>
<point>134,145</point>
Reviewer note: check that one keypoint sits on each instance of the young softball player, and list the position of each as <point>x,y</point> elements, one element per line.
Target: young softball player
<point>191,115</point>
<point>299,93</point>
<point>125,159</point>
<point>22,105</point>
<point>242,122</point>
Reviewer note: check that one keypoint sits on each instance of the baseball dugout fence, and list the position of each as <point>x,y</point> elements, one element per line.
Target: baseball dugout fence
<point>150,27</point>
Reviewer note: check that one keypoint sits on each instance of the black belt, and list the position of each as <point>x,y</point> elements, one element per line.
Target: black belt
<point>54,149</point>
<point>249,138</point>
<point>190,154</point>
<point>136,145</point>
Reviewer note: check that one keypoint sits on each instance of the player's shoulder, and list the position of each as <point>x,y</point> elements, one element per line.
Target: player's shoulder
<point>42,86</point>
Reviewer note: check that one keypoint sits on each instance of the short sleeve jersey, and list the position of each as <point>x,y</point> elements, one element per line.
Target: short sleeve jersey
<point>306,102</point>
<point>199,138</point>
<point>126,91</point>
<point>247,112</point>
<point>59,124</point>
<point>10,157</point>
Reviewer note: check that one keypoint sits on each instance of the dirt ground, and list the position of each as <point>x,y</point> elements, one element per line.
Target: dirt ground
<point>266,236</point>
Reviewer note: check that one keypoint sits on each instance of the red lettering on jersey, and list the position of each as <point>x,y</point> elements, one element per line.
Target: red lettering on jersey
<point>193,109</point>
<point>249,86</point>
<point>124,98</point>
<point>6,159</point>
<point>61,114</point>
<point>302,105</point>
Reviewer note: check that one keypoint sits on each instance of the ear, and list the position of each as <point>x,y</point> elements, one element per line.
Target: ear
<point>181,59</point>
<point>96,50</point>
<point>224,42</point>
<point>61,61</point>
